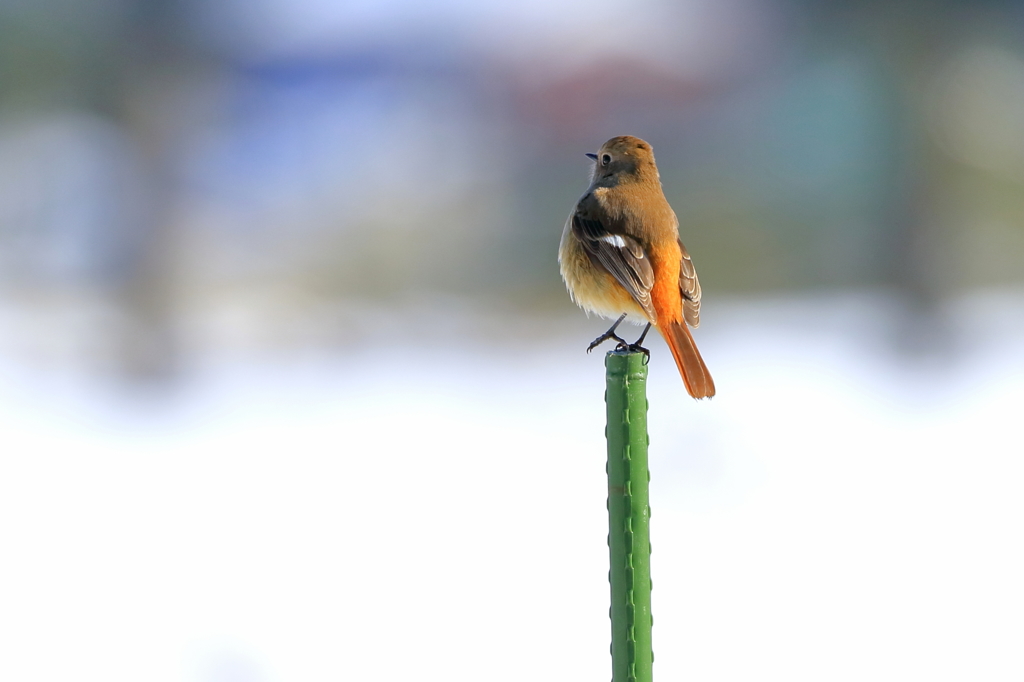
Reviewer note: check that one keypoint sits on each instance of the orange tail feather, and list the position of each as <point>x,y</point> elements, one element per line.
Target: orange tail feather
<point>691,365</point>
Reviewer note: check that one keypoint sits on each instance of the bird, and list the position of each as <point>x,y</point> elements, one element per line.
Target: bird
<point>621,258</point>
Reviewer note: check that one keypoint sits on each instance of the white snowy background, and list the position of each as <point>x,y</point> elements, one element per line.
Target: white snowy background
<point>435,510</point>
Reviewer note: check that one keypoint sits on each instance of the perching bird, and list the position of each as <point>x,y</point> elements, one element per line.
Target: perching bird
<point>621,257</point>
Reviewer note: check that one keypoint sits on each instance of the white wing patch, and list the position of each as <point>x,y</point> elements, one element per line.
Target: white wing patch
<point>615,240</point>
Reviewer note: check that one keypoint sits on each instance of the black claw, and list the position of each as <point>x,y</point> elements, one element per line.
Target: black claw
<point>610,334</point>
<point>605,337</point>
<point>637,348</point>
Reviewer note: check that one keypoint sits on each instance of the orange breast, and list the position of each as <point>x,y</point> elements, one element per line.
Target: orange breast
<point>666,297</point>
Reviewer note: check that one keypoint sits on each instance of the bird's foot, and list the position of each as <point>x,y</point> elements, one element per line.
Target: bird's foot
<point>635,348</point>
<point>610,334</point>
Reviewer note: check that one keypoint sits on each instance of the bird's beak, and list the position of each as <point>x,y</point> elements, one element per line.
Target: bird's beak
<point>592,157</point>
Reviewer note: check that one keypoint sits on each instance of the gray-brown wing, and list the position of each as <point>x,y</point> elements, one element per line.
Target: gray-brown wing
<point>689,287</point>
<point>620,255</point>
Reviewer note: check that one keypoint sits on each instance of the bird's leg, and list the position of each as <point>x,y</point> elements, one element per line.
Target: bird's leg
<point>610,334</point>
<point>637,348</point>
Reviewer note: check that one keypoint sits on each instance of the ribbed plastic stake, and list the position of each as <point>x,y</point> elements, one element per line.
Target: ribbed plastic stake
<point>629,513</point>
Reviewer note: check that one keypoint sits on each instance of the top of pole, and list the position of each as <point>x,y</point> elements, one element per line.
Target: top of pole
<point>624,361</point>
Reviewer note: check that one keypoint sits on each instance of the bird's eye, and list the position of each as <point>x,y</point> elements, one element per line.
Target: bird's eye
<point>606,159</point>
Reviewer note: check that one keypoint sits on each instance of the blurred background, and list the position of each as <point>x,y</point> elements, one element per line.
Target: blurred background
<point>290,388</point>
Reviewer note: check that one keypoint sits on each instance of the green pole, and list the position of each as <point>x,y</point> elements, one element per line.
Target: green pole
<point>629,513</point>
